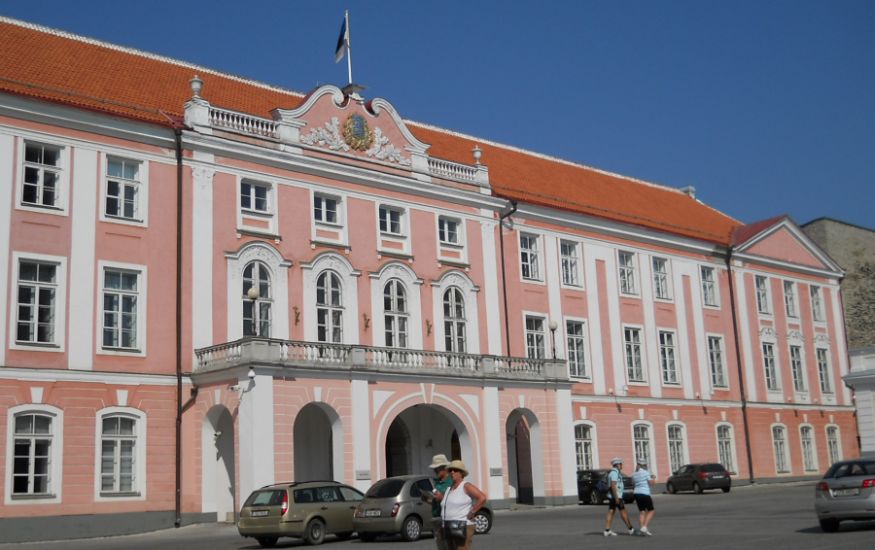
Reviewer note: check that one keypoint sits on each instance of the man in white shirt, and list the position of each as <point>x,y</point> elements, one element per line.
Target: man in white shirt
<point>644,480</point>
<point>615,498</point>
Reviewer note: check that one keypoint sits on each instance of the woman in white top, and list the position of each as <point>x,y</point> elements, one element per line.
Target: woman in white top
<point>461,502</point>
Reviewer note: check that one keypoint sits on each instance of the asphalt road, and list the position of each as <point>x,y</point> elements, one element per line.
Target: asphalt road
<point>774,517</point>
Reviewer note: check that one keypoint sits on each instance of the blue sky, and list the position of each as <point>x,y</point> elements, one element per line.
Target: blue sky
<point>766,107</point>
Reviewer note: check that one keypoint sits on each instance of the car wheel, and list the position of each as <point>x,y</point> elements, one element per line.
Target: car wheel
<point>266,542</point>
<point>670,488</point>
<point>411,529</point>
<point>315,532</point>
<point>697,487</point>
<point>829,525</point>
<point>726,489</point>
<point>482,522</point>
<point>595,497</point>
<point>367,537</point>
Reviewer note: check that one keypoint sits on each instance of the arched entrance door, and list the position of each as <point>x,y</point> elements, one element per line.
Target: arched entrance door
<point>420,432</point>
<point>218,471</point>
<point>318,443</point>
<point>525,468</point>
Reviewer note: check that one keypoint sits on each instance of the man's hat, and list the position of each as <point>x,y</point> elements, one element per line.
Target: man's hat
<point>616,460</point>
<point>439,461</point>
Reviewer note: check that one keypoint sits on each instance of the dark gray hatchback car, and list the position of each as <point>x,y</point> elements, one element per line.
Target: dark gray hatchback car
<point>698,478</point>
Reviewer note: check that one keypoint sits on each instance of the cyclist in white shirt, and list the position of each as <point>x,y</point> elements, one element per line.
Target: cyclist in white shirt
<point>615,498</point>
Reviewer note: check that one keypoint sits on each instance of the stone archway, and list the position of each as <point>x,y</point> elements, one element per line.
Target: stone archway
<point>422,431</point>
<point>524,464</point>
<point>318,443</point>
<point>218,478</point>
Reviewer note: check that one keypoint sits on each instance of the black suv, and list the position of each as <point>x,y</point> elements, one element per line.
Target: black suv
<point>699,477</point>
<point>586,487</point>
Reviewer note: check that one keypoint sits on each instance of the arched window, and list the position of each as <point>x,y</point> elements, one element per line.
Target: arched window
<point>583,443</point>
<point>454,321</point>
<point>33,454</point>
<point>329,308</point>
<point>676,455</point>
<point>395,314</point>
<point>118,454</point>
<point>256,300</point>
<point>641,440</point>
<point>832,444</point>
<point>779,440</point>
<point>724,447</point>
<point>809,457</point>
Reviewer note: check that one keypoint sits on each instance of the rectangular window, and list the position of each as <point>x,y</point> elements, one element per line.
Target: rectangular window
<point>660,279</point>
<point>715,360</point>
<point>770,368</point>
<point>634,367</point>
<point>780,441</point>
<point>709,286</point>
<point>118,444</point>
<point>535,337</point>
<point>724,447</point>
<point>32,454</point>
<point>762,284</point>
<point>391,220</point>
<point>37,292</point>
<point>42,175</point>
<point>568,252</point>
<point>790,299</point>
<point>797,368</point>
<point>816,303</point>
<point>448,230</point>
<point>254,196</point>
<point>120,309</point>
<point>676,455</point>
<point>576,349</point>
<point>325,209</point>
<point>627,273</point>
<point>667,358</point>
<point>583,446</point>
<point>530,257</point>
<point>123,189</point>
<point>823,371</point>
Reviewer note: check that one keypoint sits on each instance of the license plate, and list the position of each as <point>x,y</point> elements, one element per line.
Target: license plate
<point>372,513</point>
<point>845,492</point>
<point>259,513</point>
<point>717,476</point>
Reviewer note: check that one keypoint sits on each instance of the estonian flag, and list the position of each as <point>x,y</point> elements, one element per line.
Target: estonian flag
<point>342,42</point>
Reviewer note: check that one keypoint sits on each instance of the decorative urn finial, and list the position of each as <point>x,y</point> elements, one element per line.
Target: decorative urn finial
<point>196,85</point>
<point>477,154</point>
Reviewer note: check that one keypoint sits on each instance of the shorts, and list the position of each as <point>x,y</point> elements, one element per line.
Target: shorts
<point>617,504</point>
<point>644,502</point>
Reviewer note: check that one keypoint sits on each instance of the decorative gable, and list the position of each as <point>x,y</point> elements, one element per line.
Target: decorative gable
<point>784,242</point>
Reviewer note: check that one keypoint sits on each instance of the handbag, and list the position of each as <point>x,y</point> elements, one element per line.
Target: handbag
<point>456,529</point>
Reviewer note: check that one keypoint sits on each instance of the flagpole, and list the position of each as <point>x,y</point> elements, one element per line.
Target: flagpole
<point>348,47</point>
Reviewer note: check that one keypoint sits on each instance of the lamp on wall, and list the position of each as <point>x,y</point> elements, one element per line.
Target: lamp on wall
<point>553,326</point>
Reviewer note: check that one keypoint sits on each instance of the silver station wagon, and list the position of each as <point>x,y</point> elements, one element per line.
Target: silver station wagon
<point>846,492</point>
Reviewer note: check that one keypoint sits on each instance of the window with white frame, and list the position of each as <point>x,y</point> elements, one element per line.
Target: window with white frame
<point>641,443</point>
<point>632,343</point>
<point>255,196</point>
<point>797,368</point>
<point>576,341</point>
<point>118,455</point>
<point>569,254</point>
<point>823,370</point>
<point>33,441</point>
<point>256,300</point>
<point>530,257</point>
<point>715,361</point>
<point>391,220</point>
<point>454,321</point>
<point>676,447</point>
<point>326,209</point>
<point>329,308</point>
<point>790,299</point>
<point>626,266</point>
<point>121,307</point>
<point>37,302</point>
<point>809,459</point>
<point>724,447</point>
<point>123,189</point>
<point>834,450</point>
<point>762,290</point>
<point>661,286</point>
<point>395,314</point>
<point>779,440</point>
<point>667,358</point>
<point>769,367</point>
<point>583,446</point>
<point>709,286</point>
<point>43,169</point>
<point>535,337</point>
<point>449,230</point>
<point>816,303</point>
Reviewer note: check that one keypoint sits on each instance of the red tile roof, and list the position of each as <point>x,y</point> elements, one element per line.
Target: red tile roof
<point>63,68</point>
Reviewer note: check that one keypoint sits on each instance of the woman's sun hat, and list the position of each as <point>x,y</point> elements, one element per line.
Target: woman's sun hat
<point>458,465</point>
<point>439,461</point>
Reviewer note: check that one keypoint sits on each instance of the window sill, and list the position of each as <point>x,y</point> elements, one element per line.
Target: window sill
<point>333,244</point>
<point>454,263</point>
<point>120,495</point>
<point>45,496</point>
<point>330,225</point>
<point>37,346</point>
<point>122,220</point>
<point>256,213</point>
<point>127,351</point>
<point>255,233</point>
<point>388,235</point>
<point>395,254</point>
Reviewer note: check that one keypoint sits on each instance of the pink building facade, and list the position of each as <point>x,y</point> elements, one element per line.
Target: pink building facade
<point>210,285</point>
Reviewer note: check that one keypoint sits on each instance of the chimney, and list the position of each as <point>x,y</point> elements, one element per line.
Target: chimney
<point>690,191</point>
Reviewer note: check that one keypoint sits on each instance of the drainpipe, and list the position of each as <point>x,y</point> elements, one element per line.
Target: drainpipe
<point>739,365</point>
<point>848,360</point>
<point>177,132</point>
<point>501,218</point>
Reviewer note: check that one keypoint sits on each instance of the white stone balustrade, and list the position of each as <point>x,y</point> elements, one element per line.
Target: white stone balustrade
<point>243,123</point>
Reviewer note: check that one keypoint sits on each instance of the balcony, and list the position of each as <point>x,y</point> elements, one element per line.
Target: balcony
<point>297,355</point>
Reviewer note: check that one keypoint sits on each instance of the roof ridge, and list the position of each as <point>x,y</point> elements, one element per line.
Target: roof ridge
<point>141,53</point>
